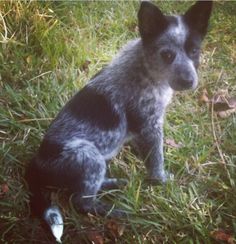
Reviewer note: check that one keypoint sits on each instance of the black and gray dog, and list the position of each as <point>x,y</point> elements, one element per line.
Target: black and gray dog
<point>125,101</point>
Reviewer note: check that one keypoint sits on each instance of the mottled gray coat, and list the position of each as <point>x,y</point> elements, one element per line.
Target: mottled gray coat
<point>126,101</point>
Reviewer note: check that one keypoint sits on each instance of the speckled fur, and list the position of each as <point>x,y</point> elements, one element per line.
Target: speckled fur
<point>126,100</point>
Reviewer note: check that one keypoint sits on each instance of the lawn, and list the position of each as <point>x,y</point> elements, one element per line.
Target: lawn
<point>48,51</point>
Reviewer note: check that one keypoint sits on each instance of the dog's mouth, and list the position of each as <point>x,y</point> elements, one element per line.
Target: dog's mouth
<point>181,84</point>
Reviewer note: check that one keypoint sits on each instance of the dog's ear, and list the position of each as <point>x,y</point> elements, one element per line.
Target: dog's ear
<point>198,15</point>
<point>151,21</point>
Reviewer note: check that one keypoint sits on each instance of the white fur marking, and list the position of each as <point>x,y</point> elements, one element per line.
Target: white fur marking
<point>179,31</point>
<point>194,72</point>
<point>54,219</point>
<point>74,143</point>
<point>167,95</point>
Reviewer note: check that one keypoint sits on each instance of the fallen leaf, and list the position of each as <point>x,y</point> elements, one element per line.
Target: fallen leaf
<point>29,59</point>
<point>222,102</point>
<point>226,114</point>
<point>115,229</point>
<point>220,235</point>
<point>172,143</point>
<point>204,97</point>
<point>85,65</point>
<point>232,102</point>
<point>95,237</point>
<point>4,188</point>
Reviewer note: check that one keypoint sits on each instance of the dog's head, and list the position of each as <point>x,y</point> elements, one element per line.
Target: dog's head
<point>172,43</point>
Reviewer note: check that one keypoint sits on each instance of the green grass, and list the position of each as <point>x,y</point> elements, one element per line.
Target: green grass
<point>48,51</point>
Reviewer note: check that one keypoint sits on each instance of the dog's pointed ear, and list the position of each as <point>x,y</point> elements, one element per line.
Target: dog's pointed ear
<point>151,21</point>
<point>197,17</point>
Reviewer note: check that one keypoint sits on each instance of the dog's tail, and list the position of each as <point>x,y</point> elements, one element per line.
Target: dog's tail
<point>41,206</point>
<point>53,218</point>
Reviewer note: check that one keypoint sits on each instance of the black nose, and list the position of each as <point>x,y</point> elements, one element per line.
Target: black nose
<point>186,83</point>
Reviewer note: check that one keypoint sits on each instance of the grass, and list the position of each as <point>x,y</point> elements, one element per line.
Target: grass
<point>51,49</point>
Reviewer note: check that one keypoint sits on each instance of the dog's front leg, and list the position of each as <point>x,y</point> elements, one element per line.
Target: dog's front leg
<point>150,146</point>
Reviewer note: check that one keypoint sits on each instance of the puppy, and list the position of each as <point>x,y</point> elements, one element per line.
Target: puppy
<point>124,101</point>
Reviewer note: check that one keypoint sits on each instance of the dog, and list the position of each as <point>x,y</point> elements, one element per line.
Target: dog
<point>125,101</point>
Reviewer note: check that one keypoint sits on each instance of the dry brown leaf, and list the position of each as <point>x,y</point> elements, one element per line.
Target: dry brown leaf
<point>95,237</point>
<point>4,188</point>
<point>85,65</point>
<point>171,143</point>
<point>220,235</point>
<point>226,114</point>
<point>232,102</point>
<point>204,97</point>
<point>222,101</point>
<point>223,104</point>
<point>29,59</point>
<point>115,229</point>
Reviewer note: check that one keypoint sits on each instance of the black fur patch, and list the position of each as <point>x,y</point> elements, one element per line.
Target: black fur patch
<point>198,15</point>
<point>49,150</point>
<point>135,122</point>
<point>151,21</point>
<point>192,47</point>
<point>90,106</point>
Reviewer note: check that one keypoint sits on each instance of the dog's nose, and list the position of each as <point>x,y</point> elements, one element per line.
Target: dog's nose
<point>186,83</point>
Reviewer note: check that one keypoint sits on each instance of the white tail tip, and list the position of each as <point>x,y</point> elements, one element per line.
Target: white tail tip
<point>54,219</point>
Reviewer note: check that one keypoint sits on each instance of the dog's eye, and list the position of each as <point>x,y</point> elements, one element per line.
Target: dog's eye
<point>193,51</point>
<point>168,56</point>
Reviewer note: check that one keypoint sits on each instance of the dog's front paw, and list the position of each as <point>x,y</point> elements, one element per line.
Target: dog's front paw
<point>168,176</point>
<point>161,178</point>
<point>113,183</point>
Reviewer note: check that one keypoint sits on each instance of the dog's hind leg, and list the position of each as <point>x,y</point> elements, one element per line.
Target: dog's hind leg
<point>91,169</point>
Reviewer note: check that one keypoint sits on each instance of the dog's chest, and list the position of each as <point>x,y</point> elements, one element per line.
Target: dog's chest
<point>153,101</point>
<point>147,108</point>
